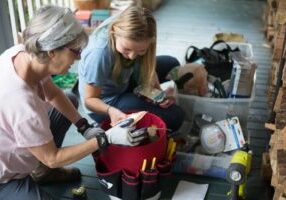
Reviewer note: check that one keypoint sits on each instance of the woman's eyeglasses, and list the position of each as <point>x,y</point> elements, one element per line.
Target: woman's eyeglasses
<point>76,52</point>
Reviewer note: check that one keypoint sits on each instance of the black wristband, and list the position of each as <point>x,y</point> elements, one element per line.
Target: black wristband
<point>102,140</point>
<point>82,124</point>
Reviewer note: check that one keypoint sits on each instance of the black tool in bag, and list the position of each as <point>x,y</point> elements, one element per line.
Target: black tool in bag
<point>217,62</point>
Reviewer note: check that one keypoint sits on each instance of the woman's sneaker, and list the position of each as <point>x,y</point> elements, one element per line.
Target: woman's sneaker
<point>42,174</point>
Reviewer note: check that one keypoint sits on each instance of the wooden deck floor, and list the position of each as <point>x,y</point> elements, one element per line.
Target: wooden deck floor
<point>180,24</point>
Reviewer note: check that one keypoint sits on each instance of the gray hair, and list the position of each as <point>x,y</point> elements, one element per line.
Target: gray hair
<point>52,28</point>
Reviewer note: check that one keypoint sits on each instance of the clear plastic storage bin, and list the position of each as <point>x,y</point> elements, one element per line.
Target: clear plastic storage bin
<point>218,108</point>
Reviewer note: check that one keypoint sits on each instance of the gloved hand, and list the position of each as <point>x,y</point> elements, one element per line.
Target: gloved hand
<point>125,136</point>
<point>138,135</point>
<point>87,130</point>
<point>90,131</point>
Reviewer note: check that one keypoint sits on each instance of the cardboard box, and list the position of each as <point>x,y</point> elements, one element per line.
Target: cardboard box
<point>92,4</point>
<point>83,16</point>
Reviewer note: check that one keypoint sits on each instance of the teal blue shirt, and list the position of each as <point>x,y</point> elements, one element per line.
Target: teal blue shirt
<point>96,65</point>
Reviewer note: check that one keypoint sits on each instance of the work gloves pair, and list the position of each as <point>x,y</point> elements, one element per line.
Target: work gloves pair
<point>120,135</point>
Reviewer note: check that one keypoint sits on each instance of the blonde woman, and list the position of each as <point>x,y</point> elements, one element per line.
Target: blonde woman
<point>120,56</point>
<point>35,114</point>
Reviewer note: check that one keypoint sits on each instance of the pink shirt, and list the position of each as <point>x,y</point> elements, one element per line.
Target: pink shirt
<point>24,120</point>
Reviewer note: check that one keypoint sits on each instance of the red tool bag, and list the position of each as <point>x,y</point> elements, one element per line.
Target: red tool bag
<point>121,165</point>
<point>130,158</point>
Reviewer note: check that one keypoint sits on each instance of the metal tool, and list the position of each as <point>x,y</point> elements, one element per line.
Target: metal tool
<point>125,123</point>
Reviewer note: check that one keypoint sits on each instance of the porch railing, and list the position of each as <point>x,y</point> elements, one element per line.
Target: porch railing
<point>22,10</point>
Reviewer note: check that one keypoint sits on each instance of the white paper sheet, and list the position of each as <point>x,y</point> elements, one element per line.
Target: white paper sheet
<point>187,190</point>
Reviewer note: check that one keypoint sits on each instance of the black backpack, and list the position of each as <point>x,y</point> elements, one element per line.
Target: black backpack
<point>217,62</point>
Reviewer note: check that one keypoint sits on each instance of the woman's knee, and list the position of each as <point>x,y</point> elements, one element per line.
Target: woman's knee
<point>167,60</point>
<point>164,65</point>
<point>173,61</point>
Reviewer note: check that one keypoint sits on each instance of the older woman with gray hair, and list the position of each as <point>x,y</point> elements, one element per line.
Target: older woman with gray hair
<point>35,114</point>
